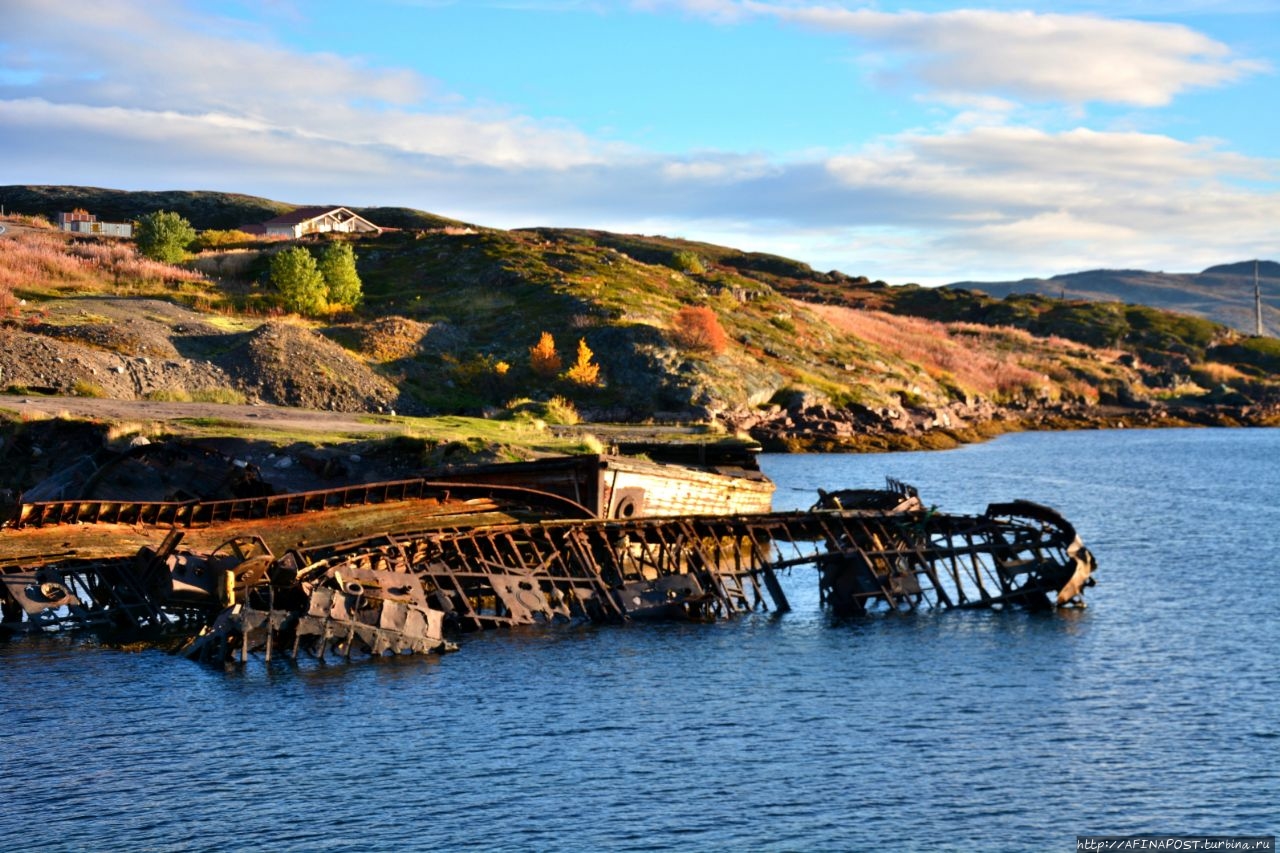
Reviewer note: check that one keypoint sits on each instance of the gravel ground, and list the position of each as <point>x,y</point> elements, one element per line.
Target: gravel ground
<point>132,349</point>
<point>271,417</point>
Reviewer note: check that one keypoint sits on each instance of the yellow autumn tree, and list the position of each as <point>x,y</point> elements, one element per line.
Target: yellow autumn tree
<point>584,372</point>
<point>543,357</point>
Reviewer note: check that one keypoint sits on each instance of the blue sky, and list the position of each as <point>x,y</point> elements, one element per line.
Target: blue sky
<point>928,142</point>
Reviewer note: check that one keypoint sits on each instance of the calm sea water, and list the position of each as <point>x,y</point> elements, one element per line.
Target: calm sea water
<point>1154,710</point>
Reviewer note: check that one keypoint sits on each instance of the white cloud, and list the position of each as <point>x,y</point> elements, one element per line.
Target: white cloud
<point>1025,166</point>
<point>156,62</point>
<point>1051,230</point>
<point>130,53</point>
<point>1055,202</point>
<point>1074,59</point>
<point>122,95</point>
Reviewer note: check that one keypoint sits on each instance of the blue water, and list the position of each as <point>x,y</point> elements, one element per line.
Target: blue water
<point>1154,710</point>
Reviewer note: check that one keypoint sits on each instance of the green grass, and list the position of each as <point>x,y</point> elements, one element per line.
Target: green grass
<point>459,428</point>
<point>169,395</point>
<point>84,388</point>
<point>227,396</point>
<point>232,323</point>
<point>1260,354</point>
<point>439,440</point>
<point>213,427</point>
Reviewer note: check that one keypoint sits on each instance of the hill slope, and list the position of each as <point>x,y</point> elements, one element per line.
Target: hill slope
<point>448,320</point>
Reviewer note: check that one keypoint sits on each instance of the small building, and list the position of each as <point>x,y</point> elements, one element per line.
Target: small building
<point>314,220</point>
<point>81,221</point>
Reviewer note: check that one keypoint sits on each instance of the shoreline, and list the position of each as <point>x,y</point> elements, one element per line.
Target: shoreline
<point>294,444</point>
<point>1057,419</point>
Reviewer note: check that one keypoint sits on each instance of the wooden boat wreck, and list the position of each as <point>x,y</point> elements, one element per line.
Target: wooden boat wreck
<point>406,591</point>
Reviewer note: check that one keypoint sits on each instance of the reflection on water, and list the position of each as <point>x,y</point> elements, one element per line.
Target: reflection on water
<point>1152,711</point>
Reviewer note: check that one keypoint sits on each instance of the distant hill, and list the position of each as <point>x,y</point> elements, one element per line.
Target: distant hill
<point>1221,293</point>
<point>407,217</point>
<point>203,209</point>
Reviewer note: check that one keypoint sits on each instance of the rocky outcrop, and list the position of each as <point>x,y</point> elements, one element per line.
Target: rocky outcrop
<point>805,422</point>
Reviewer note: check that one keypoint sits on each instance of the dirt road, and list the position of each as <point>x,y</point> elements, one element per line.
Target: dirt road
<point>269,417</point>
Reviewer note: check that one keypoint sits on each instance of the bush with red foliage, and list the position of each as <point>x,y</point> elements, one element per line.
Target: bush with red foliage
<point>697,328</point>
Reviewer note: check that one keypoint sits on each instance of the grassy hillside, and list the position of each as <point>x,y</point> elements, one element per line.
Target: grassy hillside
<point>1223,294</point>
<point>449,319</point>
<point>490,295</point>
<point>406,217</point>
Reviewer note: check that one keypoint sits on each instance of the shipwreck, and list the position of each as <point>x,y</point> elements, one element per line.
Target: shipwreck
<point>410,566</point>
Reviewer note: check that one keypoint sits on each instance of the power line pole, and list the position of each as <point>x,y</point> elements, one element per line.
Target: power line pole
<point>1257,302</point>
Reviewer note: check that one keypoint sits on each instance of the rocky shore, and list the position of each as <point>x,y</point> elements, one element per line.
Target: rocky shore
<point>807,425</point>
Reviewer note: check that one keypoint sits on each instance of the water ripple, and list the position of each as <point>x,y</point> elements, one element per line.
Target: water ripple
<point>1152,711</point>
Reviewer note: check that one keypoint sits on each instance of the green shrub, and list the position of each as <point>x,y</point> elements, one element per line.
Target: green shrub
<point>589,444</point>
<point>687,261</point>
<point>912,400</point>
<point>338,266</point>
<point>164,236</point>
<point>784,323</point>
<point>561,411</point>
<point>557,410</point>
<point>296,275</point>
<point>1258,353</point>
<point>481,374</point>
